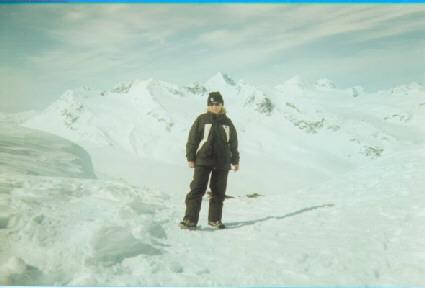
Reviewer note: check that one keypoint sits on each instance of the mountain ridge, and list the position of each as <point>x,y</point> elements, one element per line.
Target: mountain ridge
<point>145,116</point>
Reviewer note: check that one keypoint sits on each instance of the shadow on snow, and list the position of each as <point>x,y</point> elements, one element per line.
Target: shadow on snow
<point>234,225</point>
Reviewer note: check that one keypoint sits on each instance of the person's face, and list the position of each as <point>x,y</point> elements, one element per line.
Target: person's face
<point>216,108</point>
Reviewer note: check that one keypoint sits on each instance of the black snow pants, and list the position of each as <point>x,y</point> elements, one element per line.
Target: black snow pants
<point>198,186</point>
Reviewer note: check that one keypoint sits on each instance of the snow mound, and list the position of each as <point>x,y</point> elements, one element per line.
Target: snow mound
<point>92,224</point>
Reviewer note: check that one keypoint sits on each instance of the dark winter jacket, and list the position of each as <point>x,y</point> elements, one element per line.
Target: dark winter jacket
<point>213,141</point>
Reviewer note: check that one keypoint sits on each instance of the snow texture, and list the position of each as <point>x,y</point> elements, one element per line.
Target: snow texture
<point>330,191</point>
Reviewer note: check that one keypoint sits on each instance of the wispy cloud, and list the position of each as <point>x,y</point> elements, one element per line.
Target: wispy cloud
<point>281,29</point>
<point>105,43</point>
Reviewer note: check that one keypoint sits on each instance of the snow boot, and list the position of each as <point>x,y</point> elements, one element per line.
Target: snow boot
<point>186,224</point>
<point>217,225</point>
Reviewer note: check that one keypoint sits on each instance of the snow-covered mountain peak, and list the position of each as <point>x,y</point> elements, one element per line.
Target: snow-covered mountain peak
<point>71,95</point>
<point>413,87</point>
<point>146,89</point>
<point>324,83</point>
<point>196,88</point>
<point>220,80</point>
<point>225,85</point>
<point>297,80</point>
<point>162,89</point>
<point>122,87</point>
<point>140,113</point>
<point>293,85</point>
<point>69,98</point>
<point>242,82</point>
<point>164,84</point>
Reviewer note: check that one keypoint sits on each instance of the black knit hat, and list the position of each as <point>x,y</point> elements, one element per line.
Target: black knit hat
<point>215,98</point>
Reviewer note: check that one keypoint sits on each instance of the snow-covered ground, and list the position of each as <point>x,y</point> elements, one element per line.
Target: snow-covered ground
<point>338,175</point>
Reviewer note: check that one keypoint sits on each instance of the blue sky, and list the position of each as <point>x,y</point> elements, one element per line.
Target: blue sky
<point>48,48</point>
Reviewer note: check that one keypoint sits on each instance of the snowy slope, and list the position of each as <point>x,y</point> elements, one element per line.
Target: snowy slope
<point>363,228</point>
<point>144,118</point>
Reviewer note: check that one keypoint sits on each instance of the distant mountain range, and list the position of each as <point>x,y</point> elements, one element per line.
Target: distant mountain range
<point>151,118</point>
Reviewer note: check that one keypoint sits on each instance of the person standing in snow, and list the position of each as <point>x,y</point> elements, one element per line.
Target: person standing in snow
<point>212,148</point>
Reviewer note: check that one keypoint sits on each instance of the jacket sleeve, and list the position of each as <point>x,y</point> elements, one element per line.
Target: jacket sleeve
<point>193,141</point>
<point>234,145</point>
